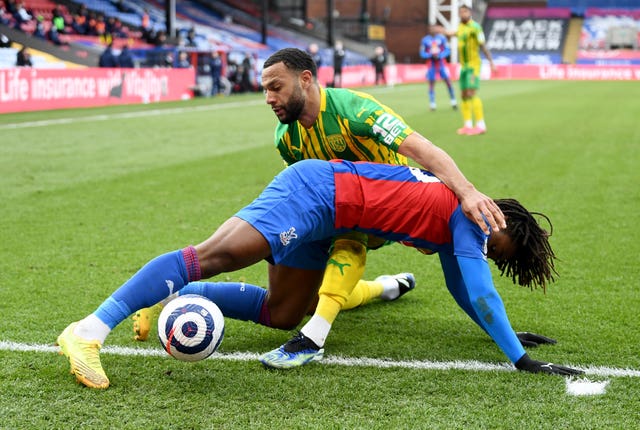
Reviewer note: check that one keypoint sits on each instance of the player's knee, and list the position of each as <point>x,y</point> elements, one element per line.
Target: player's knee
<point>284,321</point>
<point>214,263</point>
<point>349,246</point>
<point>285,316</point>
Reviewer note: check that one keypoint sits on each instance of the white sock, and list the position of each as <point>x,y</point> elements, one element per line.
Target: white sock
<point>92,328</point>
<point>391,288</point>
<point>317,329</point>
<point>481,124</point>
<point>468,124</point>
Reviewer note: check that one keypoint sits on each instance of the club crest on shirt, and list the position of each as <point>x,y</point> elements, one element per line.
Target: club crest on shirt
<point>287,236</point>
<point>337,142</point>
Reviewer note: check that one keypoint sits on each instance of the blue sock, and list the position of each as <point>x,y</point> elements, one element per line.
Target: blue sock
<point>159,278</point>
<point>452,95</point>
<point>236,300</point>
<point>432,93</point>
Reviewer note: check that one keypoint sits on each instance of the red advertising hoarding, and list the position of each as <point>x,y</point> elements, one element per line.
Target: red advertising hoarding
<point>29,89</point>
<point>409,73</point>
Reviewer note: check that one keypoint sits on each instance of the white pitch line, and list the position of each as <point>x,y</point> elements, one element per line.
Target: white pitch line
<point>129,115</point>
<point>471,365</point>
<point>147,113</point>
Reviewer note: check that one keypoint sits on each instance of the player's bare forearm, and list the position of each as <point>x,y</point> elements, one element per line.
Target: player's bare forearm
<point>437,161</point>
<point>475,205</point>
<point>488,55</point>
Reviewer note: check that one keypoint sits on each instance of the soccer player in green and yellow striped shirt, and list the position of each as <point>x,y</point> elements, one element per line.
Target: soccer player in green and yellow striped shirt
<point>471,41</point>
<point>338,123</point>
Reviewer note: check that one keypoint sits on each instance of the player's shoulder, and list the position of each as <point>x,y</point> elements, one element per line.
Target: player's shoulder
<point>282,130</point>
<point>341,93</point>
<point>348,103</point>
<point>475,25</point>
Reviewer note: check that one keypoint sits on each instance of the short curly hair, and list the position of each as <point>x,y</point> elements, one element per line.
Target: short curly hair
<point>294,59</point>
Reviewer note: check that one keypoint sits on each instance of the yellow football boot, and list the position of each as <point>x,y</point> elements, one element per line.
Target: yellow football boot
<point>84,358</point>
<point>143,320</point>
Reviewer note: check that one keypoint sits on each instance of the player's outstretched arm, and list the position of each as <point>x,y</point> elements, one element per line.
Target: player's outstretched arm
<point>527,364</point>
<point>475,205</point>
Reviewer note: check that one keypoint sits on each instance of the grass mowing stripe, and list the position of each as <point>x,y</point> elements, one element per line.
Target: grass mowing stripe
<point>471,365</point>
<point>165,111</point>
<point>129,115</point>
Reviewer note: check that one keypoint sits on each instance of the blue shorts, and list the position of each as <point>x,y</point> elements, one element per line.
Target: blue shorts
<point>440,67</point>
<point>296,214</point>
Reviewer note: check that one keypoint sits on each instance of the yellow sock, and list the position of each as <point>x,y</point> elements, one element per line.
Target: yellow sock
<point>344,269</point>
<point>465,110</point>
<point>478,112</point>
<point>363,293</point>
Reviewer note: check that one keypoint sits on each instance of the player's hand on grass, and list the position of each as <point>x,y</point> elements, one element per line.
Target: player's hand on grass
<point>532,340</point>
<point>527,364</point>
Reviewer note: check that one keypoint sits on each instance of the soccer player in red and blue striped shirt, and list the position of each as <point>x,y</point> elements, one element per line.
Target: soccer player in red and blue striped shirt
<point>291,224</point>
<point>434,48</point>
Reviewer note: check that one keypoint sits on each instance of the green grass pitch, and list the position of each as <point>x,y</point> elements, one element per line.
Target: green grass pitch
<point>89,196</point>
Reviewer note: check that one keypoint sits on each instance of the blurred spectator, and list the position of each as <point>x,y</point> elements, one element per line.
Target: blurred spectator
<point>338,60</point>
<point>101,30</point>
<point>23,58</point>
<point>191,38</point>
<point>92,23</point>
<point>21,15</point>
<point>247,81</point>
<point>11,6</point>
<point>314,51</point>
<point>114,28</point>
<point>4,15</point>
<point>125,59</point>
<point>80,20</point>
<point>234,75</point>
<point>160,39</point>
<point>167,58</point>
<point>379,60</point>
<point>39,31</point>
<point>147,28</point>
<point>57,19</point>
<point>54,36</point>
<point>108,58</point>
<point>183,60</point>
<point>180,42</point>
<point>215,64</point>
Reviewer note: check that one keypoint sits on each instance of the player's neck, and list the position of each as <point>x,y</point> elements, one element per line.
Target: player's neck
<point>311,109</point>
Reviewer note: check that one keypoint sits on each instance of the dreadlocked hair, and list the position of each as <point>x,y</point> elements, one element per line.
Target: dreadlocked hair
<point>533,263</point>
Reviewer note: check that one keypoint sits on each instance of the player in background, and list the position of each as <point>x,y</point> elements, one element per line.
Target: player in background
<point>471,41</point>
<point>434,48</point>
<point>292,223</point>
